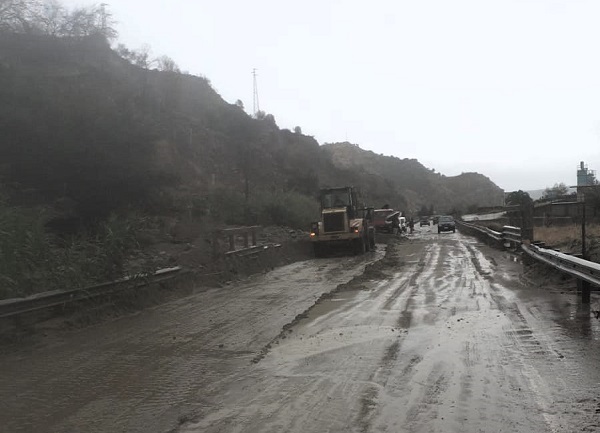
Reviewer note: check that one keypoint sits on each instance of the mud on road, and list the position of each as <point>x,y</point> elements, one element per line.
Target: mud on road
<point>438,333</point>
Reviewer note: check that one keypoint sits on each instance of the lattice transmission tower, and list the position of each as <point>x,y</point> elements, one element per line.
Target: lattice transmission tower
<point>256,106</point>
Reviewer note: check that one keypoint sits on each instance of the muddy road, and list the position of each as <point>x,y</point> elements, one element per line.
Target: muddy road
<point>435,333</point>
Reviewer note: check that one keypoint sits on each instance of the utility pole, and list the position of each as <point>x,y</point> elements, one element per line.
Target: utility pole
<point>585,285</point>
<point>583,246</point>
<point>527,221</point>
<point>256,106</point>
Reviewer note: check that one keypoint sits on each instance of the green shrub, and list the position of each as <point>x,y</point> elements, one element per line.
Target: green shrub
<point>26,257</point>
<point>289,209</point>
<point>33,261</point>
<point>284,208</point>
<point>227,206</point>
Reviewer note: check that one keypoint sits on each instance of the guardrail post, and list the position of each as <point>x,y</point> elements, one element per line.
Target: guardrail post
<point>585,292</point>
<point>239,238</point>
<point>527,225</point>
<point>527,260</point>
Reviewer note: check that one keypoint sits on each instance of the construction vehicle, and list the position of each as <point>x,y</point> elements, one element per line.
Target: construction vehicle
<point>344,223</point>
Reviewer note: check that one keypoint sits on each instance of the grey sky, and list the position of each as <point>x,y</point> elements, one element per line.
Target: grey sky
<point>507,88</point>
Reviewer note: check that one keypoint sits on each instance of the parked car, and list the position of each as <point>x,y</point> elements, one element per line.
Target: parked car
<point>446,224</point>
<point>424,222</point>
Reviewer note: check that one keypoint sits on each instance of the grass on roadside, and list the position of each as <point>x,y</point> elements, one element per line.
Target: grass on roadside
<point>565,235</point>
<point>568,238</point>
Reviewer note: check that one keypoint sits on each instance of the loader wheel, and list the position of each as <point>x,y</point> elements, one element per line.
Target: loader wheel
<point>359,246</point>
<point>318,250</point>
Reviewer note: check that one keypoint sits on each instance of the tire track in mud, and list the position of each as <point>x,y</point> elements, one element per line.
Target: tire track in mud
<point>446,280</point>
<point>451,375</point>
<point>477,263</point>
<point>546,369</point>
<point>436,384</point>
<point>317,376</point>
<point>405,319</point>
<point>381,376</point>
<point>438,388</point>
<point>530,350</point>
<point>373,271</point>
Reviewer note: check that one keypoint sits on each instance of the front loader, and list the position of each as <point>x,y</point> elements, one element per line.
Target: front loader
<point>343,224</point>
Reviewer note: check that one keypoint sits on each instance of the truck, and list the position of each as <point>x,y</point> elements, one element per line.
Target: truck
<point>382,220</point>
<point>344,223</point>
<point>388,220</point>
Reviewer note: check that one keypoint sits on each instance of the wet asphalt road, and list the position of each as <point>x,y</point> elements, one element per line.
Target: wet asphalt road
<point>442,334</point>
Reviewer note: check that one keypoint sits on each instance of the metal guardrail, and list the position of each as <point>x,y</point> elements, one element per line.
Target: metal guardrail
<point>512,234</point>
<point>239,242</point>
<point>233,236</point>
<point>508,236</point>
<point>482,230</point>
<point>498,236</point>
<point>575,266</point>
<point>587,272</point>
<point>251,250</point>
<point>41,301</point>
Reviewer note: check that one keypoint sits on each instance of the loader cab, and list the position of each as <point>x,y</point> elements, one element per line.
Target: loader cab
<point>335,198</point>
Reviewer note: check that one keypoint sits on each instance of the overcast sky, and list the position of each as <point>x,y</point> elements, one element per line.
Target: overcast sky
<point>507,88</point>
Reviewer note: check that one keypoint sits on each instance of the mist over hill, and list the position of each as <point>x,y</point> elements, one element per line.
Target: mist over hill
<point>84,126</point>
<point>408,185</point>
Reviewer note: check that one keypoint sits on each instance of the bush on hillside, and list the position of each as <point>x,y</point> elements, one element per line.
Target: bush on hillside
<point>289,209</point>
<point>32,261</point>
<point>284,208</point>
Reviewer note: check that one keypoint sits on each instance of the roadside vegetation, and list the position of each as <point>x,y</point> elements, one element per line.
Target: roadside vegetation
<point>34,260</point>
<point>568,238</point>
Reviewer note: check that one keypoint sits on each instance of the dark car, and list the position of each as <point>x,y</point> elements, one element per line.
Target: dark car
<point>446,224</point>
<point>424,222</point>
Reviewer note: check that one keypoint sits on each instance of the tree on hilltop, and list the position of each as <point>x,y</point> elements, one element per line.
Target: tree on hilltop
<point>518,198</point>
<point>558,190</point>
<point>51,18</point>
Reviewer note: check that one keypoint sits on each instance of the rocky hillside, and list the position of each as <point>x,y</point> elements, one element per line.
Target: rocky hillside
<point>87,132</point>
<point>83,125</point>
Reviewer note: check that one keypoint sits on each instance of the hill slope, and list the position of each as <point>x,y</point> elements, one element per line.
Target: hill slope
<point>82,124</point>
<point>407,184</point>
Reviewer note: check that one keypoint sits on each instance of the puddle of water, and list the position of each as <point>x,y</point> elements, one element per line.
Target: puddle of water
<point>325,308</point>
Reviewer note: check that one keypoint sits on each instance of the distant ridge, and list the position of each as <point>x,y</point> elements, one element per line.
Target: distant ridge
<point>408,184</point>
